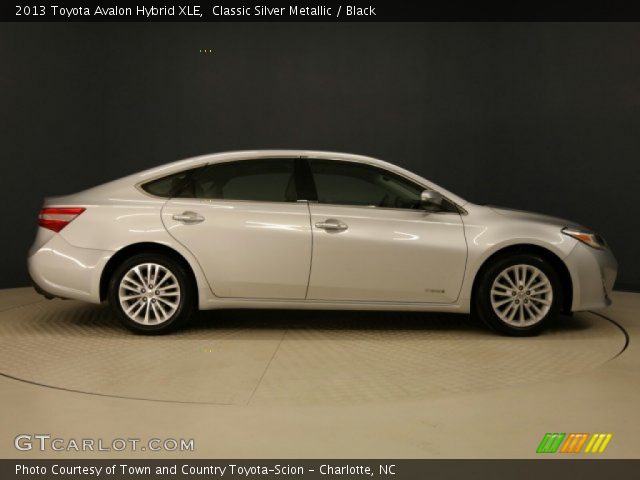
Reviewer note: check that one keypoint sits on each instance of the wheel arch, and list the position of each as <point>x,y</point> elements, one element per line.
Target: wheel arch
<point>554,260</point>
<point>143,247</point>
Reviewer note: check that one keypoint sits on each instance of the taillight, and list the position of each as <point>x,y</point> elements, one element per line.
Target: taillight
<point>57,218</point>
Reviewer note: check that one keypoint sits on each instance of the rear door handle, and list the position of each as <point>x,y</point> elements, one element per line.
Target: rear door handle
<point>188,217</point>
<point>333,225</point>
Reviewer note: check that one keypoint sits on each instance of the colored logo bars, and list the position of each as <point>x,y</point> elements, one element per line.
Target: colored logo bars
<point>573,443</point>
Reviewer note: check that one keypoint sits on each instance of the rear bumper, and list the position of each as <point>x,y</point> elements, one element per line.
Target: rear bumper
<point>58,269</point>
<point>593,273</point>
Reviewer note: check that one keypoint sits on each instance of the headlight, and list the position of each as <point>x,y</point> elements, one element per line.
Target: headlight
<point>585,236</point>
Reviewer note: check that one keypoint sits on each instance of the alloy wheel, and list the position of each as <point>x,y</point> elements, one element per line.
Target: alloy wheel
<point>149,294</point>
<point>521,295</point>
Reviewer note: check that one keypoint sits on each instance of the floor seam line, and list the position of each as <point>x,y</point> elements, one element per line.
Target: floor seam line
<point>267,367</point>
<point>627,338</point>
<point>105,395</point>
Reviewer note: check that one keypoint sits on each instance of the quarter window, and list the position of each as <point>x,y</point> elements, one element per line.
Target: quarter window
<point>166,186</point>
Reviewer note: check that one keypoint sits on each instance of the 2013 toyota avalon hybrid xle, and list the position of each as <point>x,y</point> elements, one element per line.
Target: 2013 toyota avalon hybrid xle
<point>314,230</point>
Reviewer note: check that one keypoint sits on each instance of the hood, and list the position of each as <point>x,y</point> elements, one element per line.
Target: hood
<point>533,217</point>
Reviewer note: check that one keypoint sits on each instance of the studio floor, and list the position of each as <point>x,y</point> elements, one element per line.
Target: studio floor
<point>294,384</point>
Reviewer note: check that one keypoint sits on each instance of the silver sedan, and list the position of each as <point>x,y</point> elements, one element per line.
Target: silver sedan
<point>310,230</point>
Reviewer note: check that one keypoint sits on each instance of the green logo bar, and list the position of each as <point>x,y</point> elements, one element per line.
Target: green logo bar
<point>550,442</point>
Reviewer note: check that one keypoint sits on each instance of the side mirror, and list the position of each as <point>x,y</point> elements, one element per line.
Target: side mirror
<point>430,198</point>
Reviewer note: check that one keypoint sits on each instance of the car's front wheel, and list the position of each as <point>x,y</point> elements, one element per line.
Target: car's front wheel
<point>518,294</point>
<point>151,293</point>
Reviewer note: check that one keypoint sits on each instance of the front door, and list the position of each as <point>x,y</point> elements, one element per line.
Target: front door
<point>373,241</point>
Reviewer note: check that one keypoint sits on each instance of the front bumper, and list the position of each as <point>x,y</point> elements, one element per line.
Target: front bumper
<point>593,274</point>
<point>59,269</point>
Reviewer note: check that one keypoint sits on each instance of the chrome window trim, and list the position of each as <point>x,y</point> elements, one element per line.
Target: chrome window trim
<point>375,207</point>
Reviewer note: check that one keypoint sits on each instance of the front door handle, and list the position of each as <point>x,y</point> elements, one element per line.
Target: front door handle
<point>332,225</point>
<point>188,217</point>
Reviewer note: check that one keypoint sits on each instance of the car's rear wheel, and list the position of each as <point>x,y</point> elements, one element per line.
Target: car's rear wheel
<point>518,294</point>
<point>151,293</point>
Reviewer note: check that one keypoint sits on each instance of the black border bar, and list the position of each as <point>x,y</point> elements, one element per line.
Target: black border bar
<point>534,469</point>
<point>325,11</point>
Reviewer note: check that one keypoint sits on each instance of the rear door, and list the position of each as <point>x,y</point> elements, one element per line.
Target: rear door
<point>243,223</point>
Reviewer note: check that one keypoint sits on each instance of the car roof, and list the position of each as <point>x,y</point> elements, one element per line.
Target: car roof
<point>259,154</point>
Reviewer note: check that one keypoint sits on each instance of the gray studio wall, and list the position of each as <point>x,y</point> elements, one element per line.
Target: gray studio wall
<point>543,117</point>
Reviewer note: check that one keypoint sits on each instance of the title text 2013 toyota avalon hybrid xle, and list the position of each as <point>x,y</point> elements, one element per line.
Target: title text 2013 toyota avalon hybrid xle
<point>314,230</point>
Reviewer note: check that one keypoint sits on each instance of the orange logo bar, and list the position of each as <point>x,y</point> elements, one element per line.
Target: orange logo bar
<point>574,443</point>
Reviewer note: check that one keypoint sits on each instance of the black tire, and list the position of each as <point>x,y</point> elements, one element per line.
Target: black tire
<point>482,298</point>
<point>185,301</point>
